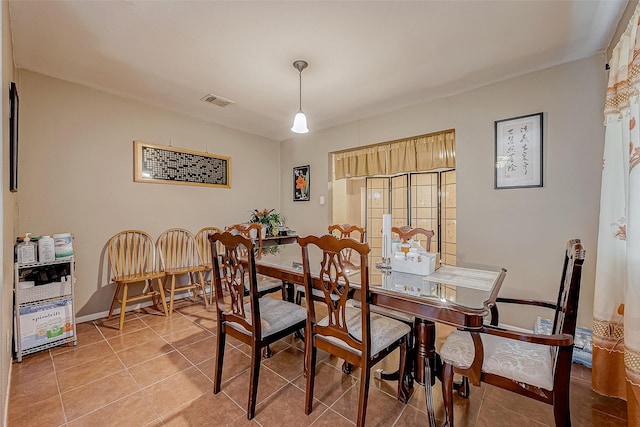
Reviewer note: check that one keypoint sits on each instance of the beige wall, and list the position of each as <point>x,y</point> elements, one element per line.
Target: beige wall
<point>8,216</point>
<point>524,230</point>
<point>76,174</point>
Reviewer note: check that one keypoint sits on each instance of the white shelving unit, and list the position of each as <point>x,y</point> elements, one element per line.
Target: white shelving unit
<point>44,315</point>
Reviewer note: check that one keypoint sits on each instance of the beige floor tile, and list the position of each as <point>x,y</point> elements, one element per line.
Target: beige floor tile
<point>187,336</point>
<point>234,363</point>
<point>174,323</point>
<point>132,410</point>
<point>332,419</point>
<point>238,388</point>
<point>330,383</point>
<point>177,390</point>
<point>80,355</point>
<point>159,368</point>
<point>286,408</point>
<point>207,410</point>
<point>140,353</point>
<point>32,365</point>
<point>200,351</point>
<point>88,372</point>
<point>90,397</point>
<point>131,339</point>
<point>46,413</point>
<point>29,390</point>
<point>382,409</point>
<point>288,363</point>
<point>110,328</point>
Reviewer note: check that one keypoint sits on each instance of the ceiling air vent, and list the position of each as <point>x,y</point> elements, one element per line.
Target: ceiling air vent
<point>216,100</point>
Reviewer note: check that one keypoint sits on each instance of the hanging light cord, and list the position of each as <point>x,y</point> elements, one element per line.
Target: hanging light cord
<point>300,91</point>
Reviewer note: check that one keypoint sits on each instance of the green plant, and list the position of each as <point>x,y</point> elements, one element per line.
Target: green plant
<point>269,218</point>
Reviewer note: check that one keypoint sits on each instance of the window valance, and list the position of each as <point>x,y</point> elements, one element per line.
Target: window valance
<point>418,153</point>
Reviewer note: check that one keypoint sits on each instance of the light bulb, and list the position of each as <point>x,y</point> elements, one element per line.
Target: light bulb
<point>300,123</point>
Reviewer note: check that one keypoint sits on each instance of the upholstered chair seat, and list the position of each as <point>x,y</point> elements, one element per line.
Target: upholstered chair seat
<point>518,360</point>
<point>384,331</point>
<point>275,316</point>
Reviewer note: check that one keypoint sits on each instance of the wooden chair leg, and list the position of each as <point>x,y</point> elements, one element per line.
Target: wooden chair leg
<point>204,289</point>
<point>163,298</point>
<point>253,380</point>
<point>365,378</point>
<point>447,394</point>
<point>310,371</point>
<point>172,293</point>
<point>115,299</point>
<point>403,392</point>
<point>561,408</point>
<point>123,306</point>
<point>217,372</point>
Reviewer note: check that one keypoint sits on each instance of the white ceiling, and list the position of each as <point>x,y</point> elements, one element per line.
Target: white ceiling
<point>365,57</point>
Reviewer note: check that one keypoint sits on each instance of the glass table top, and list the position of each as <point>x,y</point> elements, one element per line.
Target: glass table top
<point>462,286</point>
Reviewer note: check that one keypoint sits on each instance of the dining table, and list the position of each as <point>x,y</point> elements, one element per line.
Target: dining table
<point>460,296</point>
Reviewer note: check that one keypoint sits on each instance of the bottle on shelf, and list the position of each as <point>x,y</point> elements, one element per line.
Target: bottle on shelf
<point>46,249</point>
<point>27,251</point>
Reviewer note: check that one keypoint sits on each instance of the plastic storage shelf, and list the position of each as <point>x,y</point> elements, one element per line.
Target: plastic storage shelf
<point>44,315</point>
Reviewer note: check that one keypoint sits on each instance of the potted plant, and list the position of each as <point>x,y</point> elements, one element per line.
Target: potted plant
<point>270,219</point>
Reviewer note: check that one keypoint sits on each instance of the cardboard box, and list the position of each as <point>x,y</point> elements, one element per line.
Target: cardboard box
<point>45,323</point>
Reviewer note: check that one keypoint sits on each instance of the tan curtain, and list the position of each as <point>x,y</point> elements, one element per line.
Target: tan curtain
<point>361,162</point>
<point>616,305</point>
<point>436,151</point>
<point>419,153</point>
<point>402,156</point>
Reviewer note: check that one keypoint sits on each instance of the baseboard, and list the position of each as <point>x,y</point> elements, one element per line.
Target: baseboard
<point>130,307</point>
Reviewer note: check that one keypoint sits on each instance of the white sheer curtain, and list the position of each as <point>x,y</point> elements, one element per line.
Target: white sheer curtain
<point>616,313</point>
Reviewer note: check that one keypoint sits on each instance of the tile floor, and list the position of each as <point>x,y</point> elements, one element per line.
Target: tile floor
<point>158,371</point>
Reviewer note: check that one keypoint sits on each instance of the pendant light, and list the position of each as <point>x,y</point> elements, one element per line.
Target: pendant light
<point>300,120</point>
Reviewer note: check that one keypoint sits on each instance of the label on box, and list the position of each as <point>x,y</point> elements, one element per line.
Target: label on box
<point>44,323</point>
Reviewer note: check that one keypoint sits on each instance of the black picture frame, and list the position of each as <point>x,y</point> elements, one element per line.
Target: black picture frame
<point>519,152</point>
<point>13,137</point>
<point>301,183</point>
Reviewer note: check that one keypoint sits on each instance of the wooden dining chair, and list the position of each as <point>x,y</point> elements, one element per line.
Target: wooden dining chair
<point>258,322</point>
<point>356,335</point>
<point>253,231</point>
<point>180,260</point>
<point>533,365</point>
<point>406,232</point>
<point>132,256</point>
<point>348,231</point>
<point>204,249</point>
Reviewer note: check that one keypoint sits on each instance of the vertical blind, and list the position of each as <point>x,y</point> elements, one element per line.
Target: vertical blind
<point>418,153</point>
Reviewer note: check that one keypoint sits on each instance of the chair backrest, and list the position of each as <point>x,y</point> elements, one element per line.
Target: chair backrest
<point>131,253</point>
<point>333,283</point>
<point>229,269</point>
<point>406,232</point>
<point>204,248</point>
<point>566,312</point>
<point>177,249</point>
<point>345,231</point>
<point>252,231</point>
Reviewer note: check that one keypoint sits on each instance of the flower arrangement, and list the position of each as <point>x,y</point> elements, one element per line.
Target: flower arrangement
<point>269,218</point>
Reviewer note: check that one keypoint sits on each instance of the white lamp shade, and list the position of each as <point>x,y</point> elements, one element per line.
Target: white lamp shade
<point>300,123</point>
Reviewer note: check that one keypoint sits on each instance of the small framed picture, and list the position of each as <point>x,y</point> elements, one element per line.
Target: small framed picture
<point>518,152</point>
<point>301,183</point>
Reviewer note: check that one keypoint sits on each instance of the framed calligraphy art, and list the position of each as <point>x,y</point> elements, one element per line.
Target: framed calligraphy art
<point>301,183</point>
<point>518,152</point>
